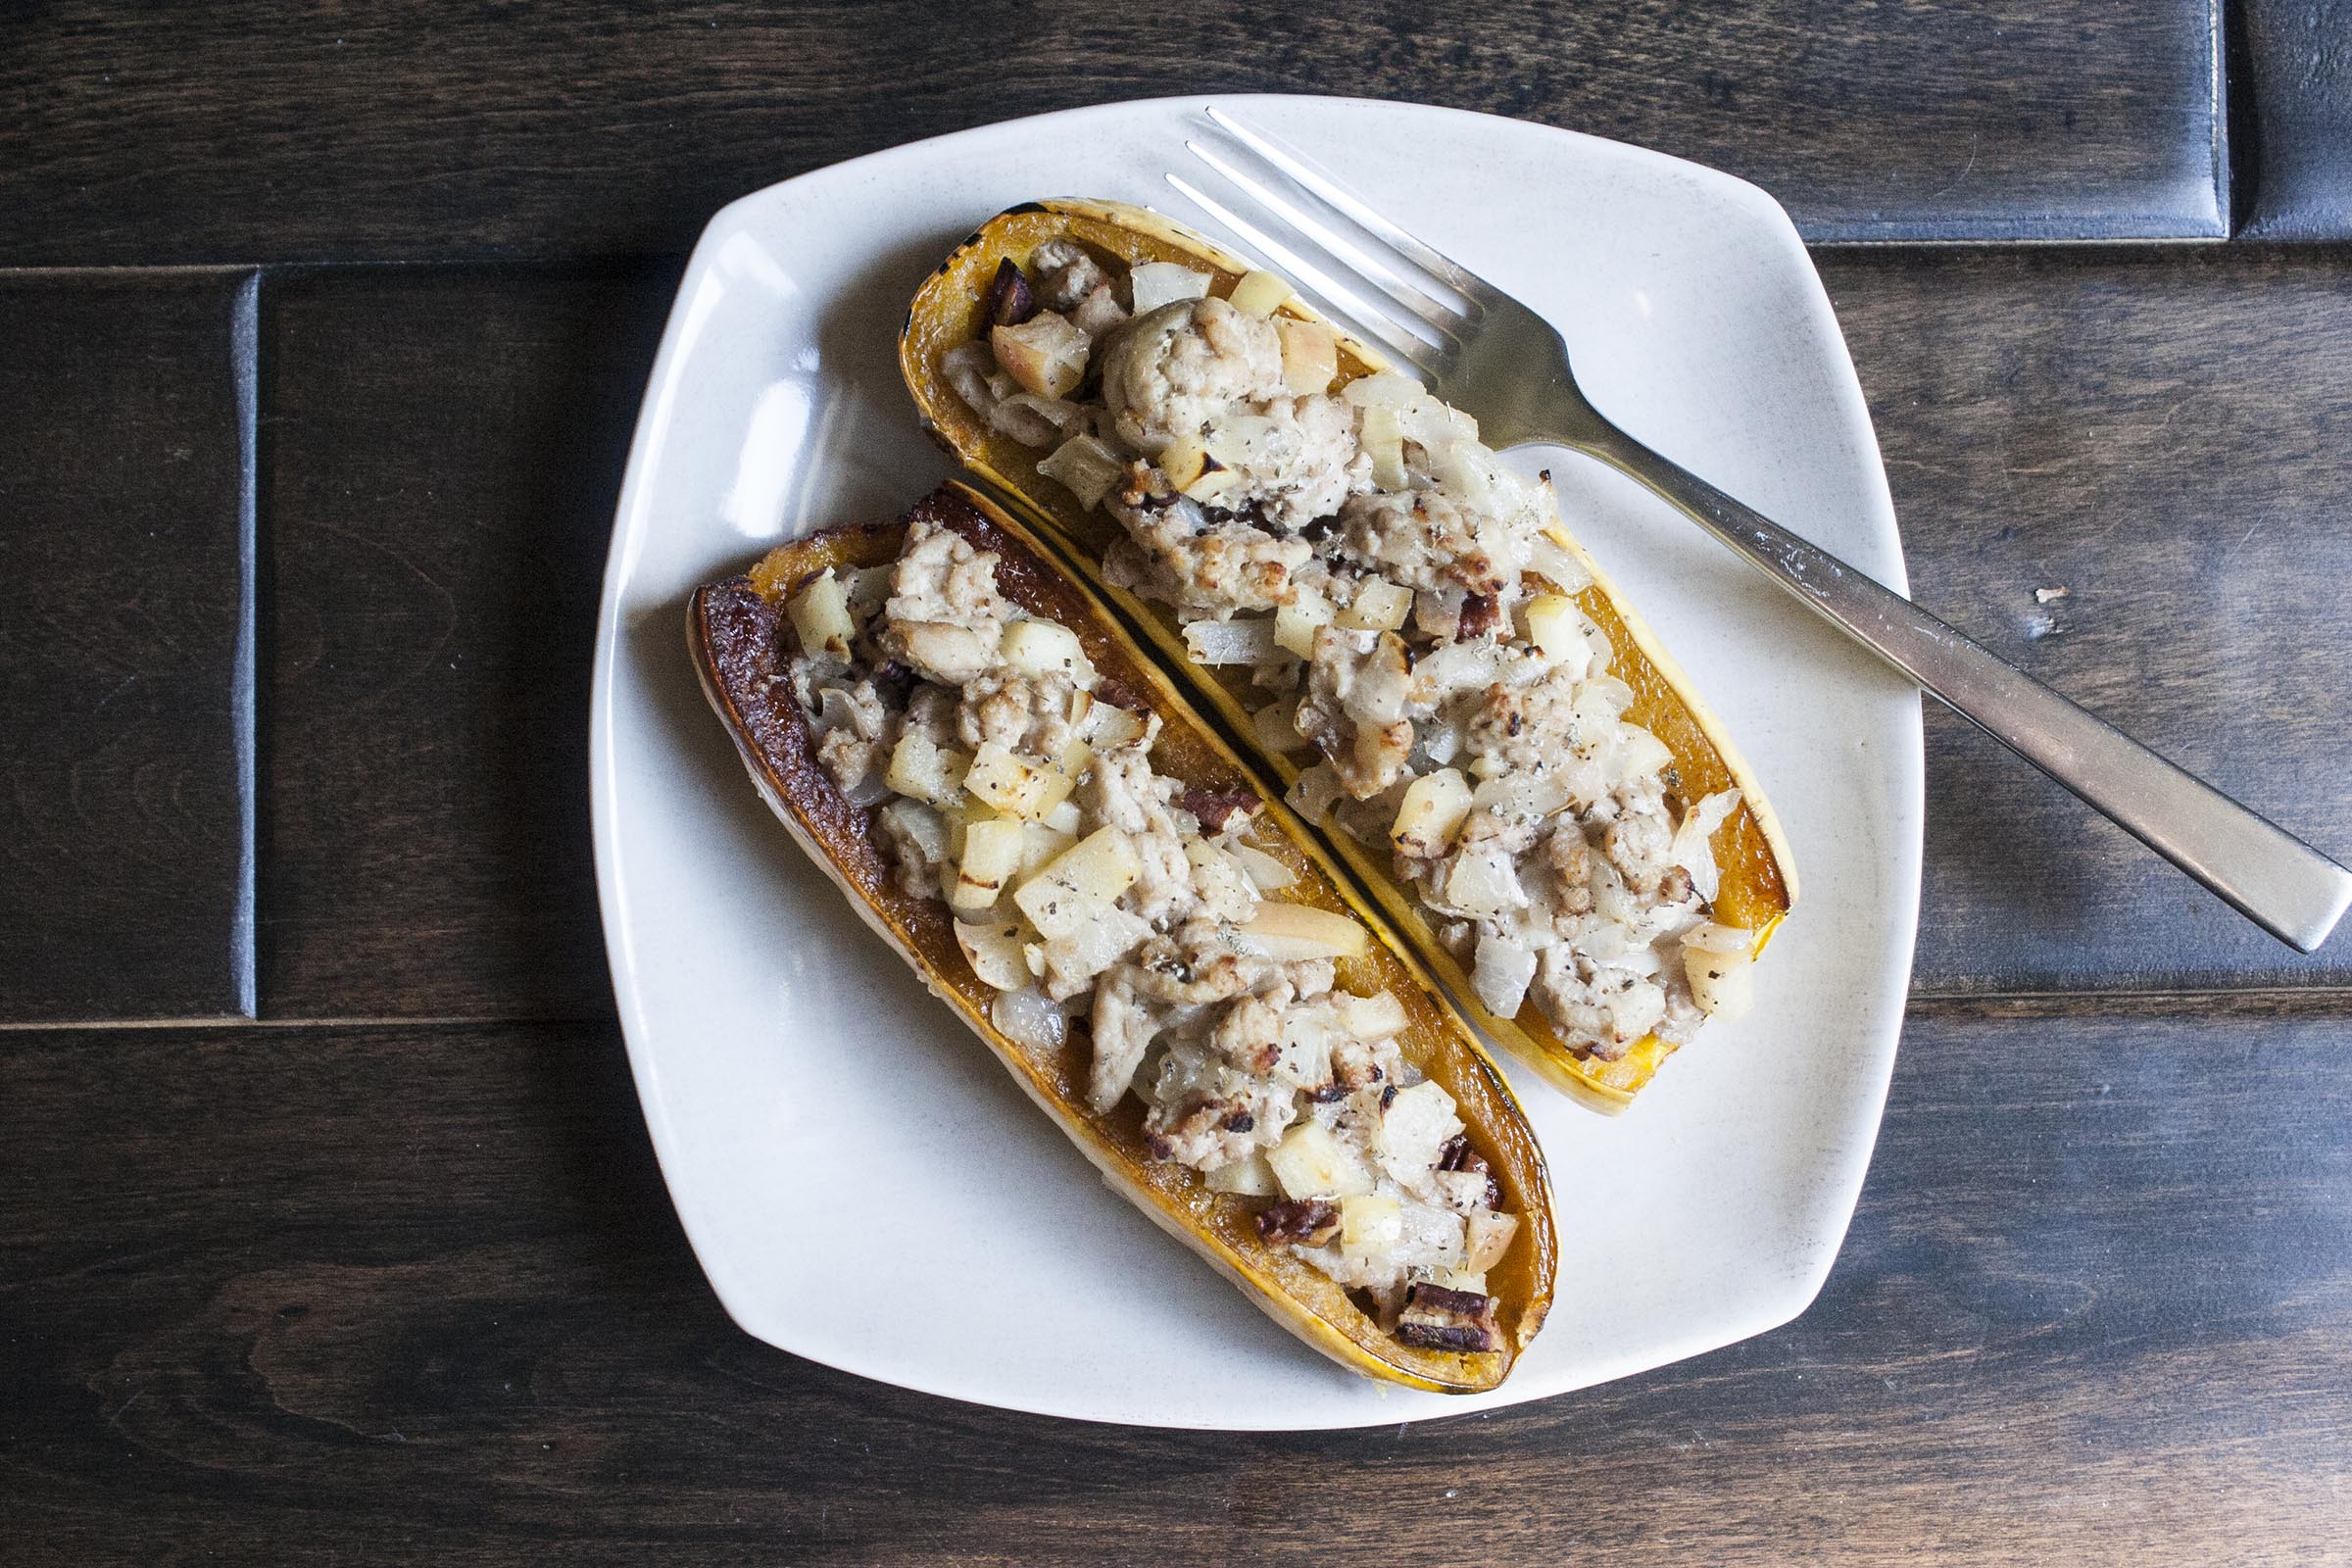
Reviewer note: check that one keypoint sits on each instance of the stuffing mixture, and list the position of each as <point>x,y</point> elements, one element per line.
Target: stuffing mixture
<point>1092,892</point>
<point>1403,607</point>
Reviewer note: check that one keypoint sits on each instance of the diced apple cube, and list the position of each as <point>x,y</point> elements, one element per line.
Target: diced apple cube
<point>928,772</point>
<point>1002,778</point>
<point>1107,725</point>
<point>1309,1162</point>
<point>992,858</point>
<point>1379,605</point>
<point>1183,461</point>
<point>1431,812</point>
<point>1310,356</point>
<point>1370,1225</point>
<point>1373,1018</point>
<point>820,617</point>
<point>1486,1238</point>
<point>1078,884</point>
<point>1250,1176</point>
<point>1295,624</point>
<point>1556,625</point>
<point>1046,353</point>
<point>1035,647</point>
<point>1723,984</point>
<point>1041,846</point>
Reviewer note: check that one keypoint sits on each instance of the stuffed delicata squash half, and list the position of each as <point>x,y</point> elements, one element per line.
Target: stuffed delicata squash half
<point>1397,626</point>
<point>1019,802</point>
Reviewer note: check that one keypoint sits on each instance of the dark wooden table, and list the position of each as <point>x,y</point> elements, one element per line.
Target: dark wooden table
<point>330,1230</point>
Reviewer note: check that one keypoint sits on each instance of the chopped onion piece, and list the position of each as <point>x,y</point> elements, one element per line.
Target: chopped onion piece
<point>1383,441</point>
<point>1277,729</point>
<point>1158,283</point>
<point>1639,754</point>
<point>1723,984</point>
<point>1557,565</point>
<point>1314,792</point>
<point>1712,937</point>
<point>993,951</point>
<point>1258,294</point>
<point>1387,389</point>
<point>1085,467</point>
<point>1289,932</point>
<point>1055,412</point>
<point>1240,640</point>
<point>1483,883</point>
<point>1458,667</point>
<point>1265,873</point>
<point>1505,969</point>
<point>1693,849</point>
<point>1028,1019</point>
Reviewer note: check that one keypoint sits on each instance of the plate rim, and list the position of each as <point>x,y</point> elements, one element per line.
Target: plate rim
<point>1907,790</point>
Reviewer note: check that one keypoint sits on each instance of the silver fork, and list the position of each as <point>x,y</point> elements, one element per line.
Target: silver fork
<point>1507,366</point>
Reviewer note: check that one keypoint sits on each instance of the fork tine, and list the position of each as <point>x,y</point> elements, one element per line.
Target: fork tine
<point>1320,291</point>
<point>1445,268</point>
<point>1407,295</point>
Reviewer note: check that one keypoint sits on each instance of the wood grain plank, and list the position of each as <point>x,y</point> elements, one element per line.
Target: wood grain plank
<point>2169,439</point>
<point>442,453</point>
<point>370,1295</point>
<point>2295,86</point>
<point>2048,420</point>
<point>121,490</point>
<point>455,130</point>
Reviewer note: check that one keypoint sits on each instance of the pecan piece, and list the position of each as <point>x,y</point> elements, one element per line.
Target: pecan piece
<point>1216,807</point>
<point>1456,1153</point>
<point>1481,613</point>
<point>1435,1318</point>
<point>1009,301</point>
<point>1309,1221</point>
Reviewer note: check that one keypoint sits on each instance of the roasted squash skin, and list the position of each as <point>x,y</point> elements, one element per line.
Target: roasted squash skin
<point>1759,873</point>
<point>739,640</point>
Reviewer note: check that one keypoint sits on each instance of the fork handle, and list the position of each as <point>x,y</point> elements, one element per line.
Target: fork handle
<point>2269,875</point>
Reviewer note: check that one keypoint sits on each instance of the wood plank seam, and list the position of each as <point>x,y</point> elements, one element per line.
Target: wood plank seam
<point>245,359</point>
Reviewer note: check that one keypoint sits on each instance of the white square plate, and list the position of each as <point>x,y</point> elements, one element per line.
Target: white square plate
<point>860,1182</point>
